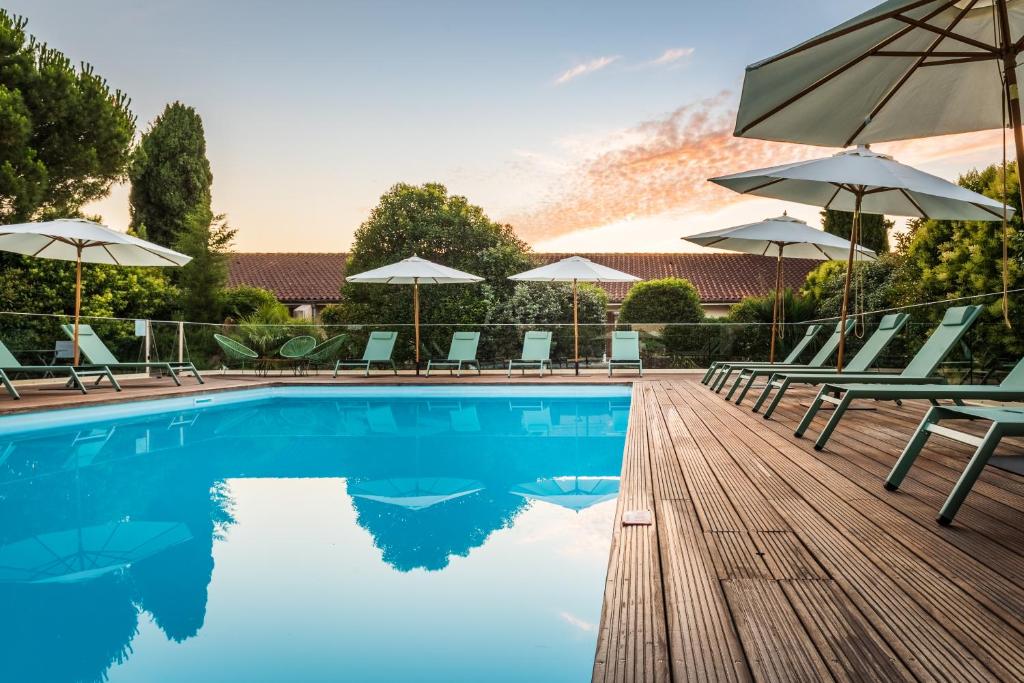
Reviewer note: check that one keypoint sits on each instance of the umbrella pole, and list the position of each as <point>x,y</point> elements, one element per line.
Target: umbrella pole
<point>775,308</point>
<point>854,236</point>
<point>1010,52</point>
<point>416,319</point>
<point>575,326</point>
<point>78,301</point>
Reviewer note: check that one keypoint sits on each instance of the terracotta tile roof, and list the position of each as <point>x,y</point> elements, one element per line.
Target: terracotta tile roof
<point>720,278</point>
<point>294,278</point>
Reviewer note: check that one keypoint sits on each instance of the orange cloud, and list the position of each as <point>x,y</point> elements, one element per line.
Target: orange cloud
<point>663,165</point>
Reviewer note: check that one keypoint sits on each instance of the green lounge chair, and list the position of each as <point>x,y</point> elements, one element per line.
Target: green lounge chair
<point>798,350</point>
<point>820,358</point>
<point>296,349</point>
<point>98,355</point>
<point>751,373</point>
<point>1005,422</point>
<point>10,364</point>
<point>920,370</point>
<point>461,352</point>
<point>888,327</point>
<point>379,348</point>
<point>235,350</point>
<point>625,352</point>
<point>326,353</point>
<point>536,353</point>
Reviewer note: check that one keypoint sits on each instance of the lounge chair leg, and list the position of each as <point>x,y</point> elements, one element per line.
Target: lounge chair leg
<point>746,388</point>
<point>765,393</point>
<point>337,364</point>
<point>812,410</point>
<point>6,381</point>
<point>394,369</point>
<point>77,381</point>
<point>912,450</point>
<point>707,374</point>
<point>723,377</point>
<point>970,475</point>
<point>735,385</point>
<point>833,421</point>
<point>777,398</point>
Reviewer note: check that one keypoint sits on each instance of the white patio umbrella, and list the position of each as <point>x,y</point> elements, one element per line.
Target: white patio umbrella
<point>415,493</point>
<point>779,237</point>
<point>904,69</point>
<point>573,493</point>
<point>74,239</point>
<point>574,269</point>
<point>862,181</point>
<point>84,553</point>
<point>415,271</point>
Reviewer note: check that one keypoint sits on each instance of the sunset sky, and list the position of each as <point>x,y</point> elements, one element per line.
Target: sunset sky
<point>590,126</point>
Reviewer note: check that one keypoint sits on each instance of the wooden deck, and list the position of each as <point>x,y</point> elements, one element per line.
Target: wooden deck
<point>769,561</point>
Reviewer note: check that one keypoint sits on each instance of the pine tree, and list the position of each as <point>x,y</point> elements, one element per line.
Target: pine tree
<point>171,204</point>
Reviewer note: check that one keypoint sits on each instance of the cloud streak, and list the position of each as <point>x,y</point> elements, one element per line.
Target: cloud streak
<point>671,56</point>
<point>661,167</point>
<point>585,68</point>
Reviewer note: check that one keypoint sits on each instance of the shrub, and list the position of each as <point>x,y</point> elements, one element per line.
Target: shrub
<point>242,301</point>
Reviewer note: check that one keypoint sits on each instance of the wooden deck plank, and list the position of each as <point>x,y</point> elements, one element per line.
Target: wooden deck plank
<point>940,587</point>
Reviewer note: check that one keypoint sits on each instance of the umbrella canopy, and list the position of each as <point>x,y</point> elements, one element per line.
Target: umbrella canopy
<point>74,239</point>
<point>415,271</point>
<point>574,269</point>
<point>574,493</point>
<point>880,184</point>
<point>904,69</point>
<point>862,181</point>
<point>417,493</point>
<point>85,553</point>
<point>773,235</point>
<point>777,237</point>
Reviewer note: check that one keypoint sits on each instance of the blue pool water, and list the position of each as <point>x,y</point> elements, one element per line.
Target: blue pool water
<point>331,536</point>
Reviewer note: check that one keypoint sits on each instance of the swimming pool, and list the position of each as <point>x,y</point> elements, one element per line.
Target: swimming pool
<point>304,534</point>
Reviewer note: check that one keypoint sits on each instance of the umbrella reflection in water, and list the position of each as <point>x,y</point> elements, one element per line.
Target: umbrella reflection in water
<point>573,493</point>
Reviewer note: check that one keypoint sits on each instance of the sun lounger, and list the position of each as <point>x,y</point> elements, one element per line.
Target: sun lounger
<point>10,364</point>
<point>98,355</point>
<point>888,327</point>
<point>750,373</point>
<point>1004,422</point>
<point>794,355</point>
<point>920,370</point>
<point>379,348</point>
<point>536,353</point>
<point>461,353</point>
<point>625,352</point>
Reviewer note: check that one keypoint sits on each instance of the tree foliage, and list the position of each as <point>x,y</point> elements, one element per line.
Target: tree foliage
<point>171,177</point>
<point>548,306</point>
<point>935,261</point>
<point>752,339</point>
<point>244,300</point>
<point>171,204</point>
<point>64,135</point>
<point>668,300</point>
<point>426,221</point>
<point>874,228</point>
